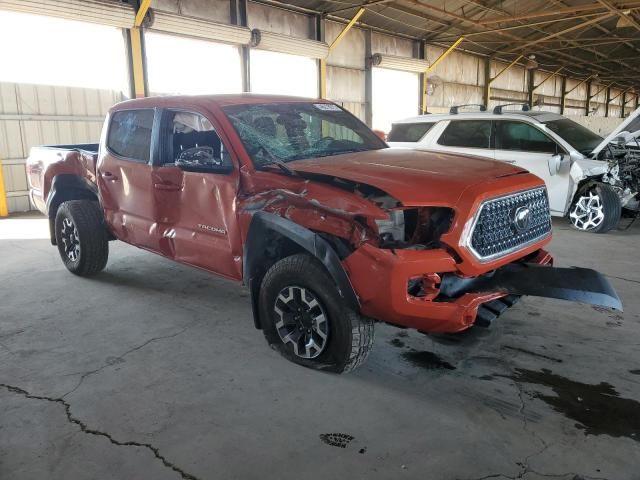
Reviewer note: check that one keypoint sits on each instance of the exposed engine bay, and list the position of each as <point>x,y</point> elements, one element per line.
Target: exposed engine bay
<point>416,228</point>
<point>624,171</point>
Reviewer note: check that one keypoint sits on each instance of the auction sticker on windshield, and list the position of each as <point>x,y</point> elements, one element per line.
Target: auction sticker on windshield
<point>327,107</point>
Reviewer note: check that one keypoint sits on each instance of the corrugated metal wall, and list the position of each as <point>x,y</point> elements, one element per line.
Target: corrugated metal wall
<point>33,115</point>
<point>345,69</point>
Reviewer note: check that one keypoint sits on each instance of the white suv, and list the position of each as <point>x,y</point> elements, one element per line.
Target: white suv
<point>581,169</point>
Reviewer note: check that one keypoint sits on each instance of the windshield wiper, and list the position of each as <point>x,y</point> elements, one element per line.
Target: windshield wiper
<point>279,163</point>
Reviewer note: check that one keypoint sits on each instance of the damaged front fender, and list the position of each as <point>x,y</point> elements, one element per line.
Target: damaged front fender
<point>272,237</point>
<point>581,285</point>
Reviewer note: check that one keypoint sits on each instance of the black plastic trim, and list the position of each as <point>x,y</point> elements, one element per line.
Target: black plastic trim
<point>581,285</point>
<point>259,245</point>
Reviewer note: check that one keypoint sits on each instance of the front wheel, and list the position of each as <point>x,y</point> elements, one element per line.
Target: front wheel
<point>81,237</point>
<point>305,318</point>
<point>596,209</point>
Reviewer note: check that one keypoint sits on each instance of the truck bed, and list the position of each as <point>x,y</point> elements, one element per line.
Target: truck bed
<point>48,161</point>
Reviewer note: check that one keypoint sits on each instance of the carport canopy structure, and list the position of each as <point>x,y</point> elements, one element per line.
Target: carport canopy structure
<point>585,39</point>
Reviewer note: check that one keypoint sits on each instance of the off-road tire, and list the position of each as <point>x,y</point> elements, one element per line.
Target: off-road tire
<point>611,208</point>
<point>88,220</point>
<point>350,336</point>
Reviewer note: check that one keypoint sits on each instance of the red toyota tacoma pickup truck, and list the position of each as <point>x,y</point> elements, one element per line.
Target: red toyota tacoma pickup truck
<point>329,228</point>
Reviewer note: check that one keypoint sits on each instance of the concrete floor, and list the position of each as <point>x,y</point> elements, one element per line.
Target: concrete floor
<point>153,370</point>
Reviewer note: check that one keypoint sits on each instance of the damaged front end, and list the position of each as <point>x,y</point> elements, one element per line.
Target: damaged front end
<point>438,269</point>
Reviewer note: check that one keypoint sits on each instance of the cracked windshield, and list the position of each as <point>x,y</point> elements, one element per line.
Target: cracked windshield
<point>285,132</point>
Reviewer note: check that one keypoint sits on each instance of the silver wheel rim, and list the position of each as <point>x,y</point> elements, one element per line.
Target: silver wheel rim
<point>587,212</point>
<point>301,321</point>
<point>70,239</point>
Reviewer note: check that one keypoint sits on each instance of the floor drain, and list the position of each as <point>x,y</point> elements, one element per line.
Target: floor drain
<point>336,439</point>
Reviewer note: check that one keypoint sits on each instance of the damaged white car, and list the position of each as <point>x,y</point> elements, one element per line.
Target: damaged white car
<point>589,179</point>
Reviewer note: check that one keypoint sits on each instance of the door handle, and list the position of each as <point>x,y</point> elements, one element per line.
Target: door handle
<point>109,176</point>
<point>167,187</point>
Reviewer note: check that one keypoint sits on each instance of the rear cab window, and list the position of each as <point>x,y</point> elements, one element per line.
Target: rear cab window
<point>129,134</point>
<point>409,132</point>
<point>467,134</point>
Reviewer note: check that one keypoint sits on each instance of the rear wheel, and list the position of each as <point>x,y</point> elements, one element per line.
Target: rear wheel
<point>305,318</point>
<point>596,209</point>
<point>81,237</point>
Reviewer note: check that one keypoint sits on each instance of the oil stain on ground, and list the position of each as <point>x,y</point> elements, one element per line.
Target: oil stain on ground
<point>598,409</point>
<point>340,440</point>
<point>427,360</point>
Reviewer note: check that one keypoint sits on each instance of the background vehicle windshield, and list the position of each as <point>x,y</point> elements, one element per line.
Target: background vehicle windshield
<point>294,131</point>
<point>579,137</point>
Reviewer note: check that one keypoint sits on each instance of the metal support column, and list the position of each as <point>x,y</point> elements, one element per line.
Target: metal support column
<point>487,81</point>
<point>422,78</point>
<point>607,102</point>
<point>531,85</point>
<point>4,209</point>
<point>238,14</point>
<point>319,31</point>
<point>136,52</point>
<point>624,103</point>
<point>368,79</point>
<point>563,96</point>
<point>586,105</point>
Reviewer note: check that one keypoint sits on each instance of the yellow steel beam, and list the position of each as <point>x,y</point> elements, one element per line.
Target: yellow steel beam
<point>137,62</point>
<point>487,87</point>
<point>581,83</point>
<point>142,11</point>
<point>4,210</point>
<point>346,29</point>
<point>619,95</point>
<point>598,92</point>
<point>548,77</point>
<point>334,44</point>
<point>505,69</point>
<point>432,67</point>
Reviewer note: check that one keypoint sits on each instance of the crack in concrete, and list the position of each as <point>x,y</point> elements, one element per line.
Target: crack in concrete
<point>624,279</point>
<point>89,373</point>
<point>85,429</point>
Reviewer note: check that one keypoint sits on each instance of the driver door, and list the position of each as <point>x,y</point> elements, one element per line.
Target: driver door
<point>195,187</point>
<point>527,147</point>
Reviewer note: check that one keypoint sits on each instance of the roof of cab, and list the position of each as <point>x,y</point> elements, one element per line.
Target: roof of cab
<point>207,100</point>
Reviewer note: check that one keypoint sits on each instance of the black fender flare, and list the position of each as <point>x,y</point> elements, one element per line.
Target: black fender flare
<point>260,254</point>
<point>66,187</point>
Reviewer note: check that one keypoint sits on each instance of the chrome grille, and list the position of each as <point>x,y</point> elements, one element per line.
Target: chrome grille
<point>502,227</point>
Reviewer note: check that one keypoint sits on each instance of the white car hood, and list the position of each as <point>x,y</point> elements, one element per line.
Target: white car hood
<point>630,124</point>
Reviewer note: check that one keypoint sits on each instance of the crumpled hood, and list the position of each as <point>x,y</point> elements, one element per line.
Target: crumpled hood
<point>631,125</point>
<point>413,177</point>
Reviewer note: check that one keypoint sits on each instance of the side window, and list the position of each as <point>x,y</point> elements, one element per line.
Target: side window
<point>408,132</point>
<point>193,144</point>
<point>522,137</point>
<point>467,134</point>
<point>130,134</point>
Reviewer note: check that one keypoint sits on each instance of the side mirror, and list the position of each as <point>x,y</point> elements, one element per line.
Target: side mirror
<point>555,163</point>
